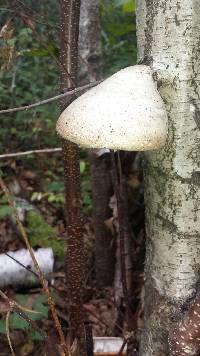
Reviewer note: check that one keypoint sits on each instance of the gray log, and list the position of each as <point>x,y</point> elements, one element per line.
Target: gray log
<point>14,274</point>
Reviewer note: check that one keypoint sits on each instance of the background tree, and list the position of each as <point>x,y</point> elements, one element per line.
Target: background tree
<point>168,40</point>
<point>90,69</point>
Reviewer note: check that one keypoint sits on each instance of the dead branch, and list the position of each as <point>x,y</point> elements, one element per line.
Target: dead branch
<point>46,101</point>
<point>26,153</point>
<point>8,333</point>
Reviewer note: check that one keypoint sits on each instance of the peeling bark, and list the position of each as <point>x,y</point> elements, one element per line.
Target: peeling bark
<point>168,40</point>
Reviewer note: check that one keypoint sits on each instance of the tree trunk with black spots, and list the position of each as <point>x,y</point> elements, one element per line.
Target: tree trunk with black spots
<point>168,39</point>
<point>90,69</point>
<point>69,31</point>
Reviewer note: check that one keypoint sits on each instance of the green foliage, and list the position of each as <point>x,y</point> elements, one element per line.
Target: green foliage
<point>2,327</point>
<point>127,5</point>
<point>35,336</point>
<point>16,322</point>
<point>31,71</point>
<point>118,34</point>
<point>54,196</point>
<point>55,187</point>
<point>42,234</point>
<point>31,74</point>
<point>86,188</point>
<point>5,210</point>
<point>82,166</point>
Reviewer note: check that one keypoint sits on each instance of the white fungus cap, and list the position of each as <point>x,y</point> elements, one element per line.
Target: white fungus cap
<point>124,112</point>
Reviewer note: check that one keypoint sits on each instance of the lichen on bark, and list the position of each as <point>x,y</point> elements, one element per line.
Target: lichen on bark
<point>172,194</point>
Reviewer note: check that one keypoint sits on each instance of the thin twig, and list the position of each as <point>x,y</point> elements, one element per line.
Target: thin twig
<point>46,101</point>
<point>120,353</point>
<point>8,333</point>
<point>40,275</point>
<point>21,264</point>
<point>26,153</point>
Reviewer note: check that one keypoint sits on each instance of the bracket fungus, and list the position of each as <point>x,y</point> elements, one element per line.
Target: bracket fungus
<point>124,112</point>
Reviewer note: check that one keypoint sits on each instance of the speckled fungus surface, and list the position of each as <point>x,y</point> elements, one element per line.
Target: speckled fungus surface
<point>124,112</point>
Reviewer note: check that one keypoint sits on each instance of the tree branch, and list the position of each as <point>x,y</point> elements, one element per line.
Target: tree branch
<point>46,101</point>
<point>26,153</point>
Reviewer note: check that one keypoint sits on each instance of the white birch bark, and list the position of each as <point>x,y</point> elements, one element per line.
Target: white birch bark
<point>16,275</point>
<point>169,39</point>
<point>90,66</point>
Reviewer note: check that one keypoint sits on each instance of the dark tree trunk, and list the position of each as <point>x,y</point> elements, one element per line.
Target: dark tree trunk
<point>90,69</point>
<point>104,242</point>
<point>70,13</point>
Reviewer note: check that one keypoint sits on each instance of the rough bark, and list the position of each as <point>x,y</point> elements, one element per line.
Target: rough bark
<point>104,239</point>
<point>90,53</point>
<point>90,69</point>
<point>168,39</point>
<point>69,31</point>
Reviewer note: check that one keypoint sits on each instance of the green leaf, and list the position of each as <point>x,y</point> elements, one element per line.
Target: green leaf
<point>2,327</point>
<point>129,6</point>
<point>16,322</point>
<point>5,210</point>
<point>13,130</point>
<point>55,186</point>
<point>37,53</point>
<point>39,306</point>
<point>87,200</point>
<point>121,29</point>
<point>11,41</point>
<point>42,234</point>
<point>35,336</point>
<point>21,298</point>
<point>82,166</point>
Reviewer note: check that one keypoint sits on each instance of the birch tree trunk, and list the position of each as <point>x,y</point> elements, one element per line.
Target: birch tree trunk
<point>169,40</point>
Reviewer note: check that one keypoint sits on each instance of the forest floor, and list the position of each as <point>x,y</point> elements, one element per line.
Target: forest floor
<point>29,180</point>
